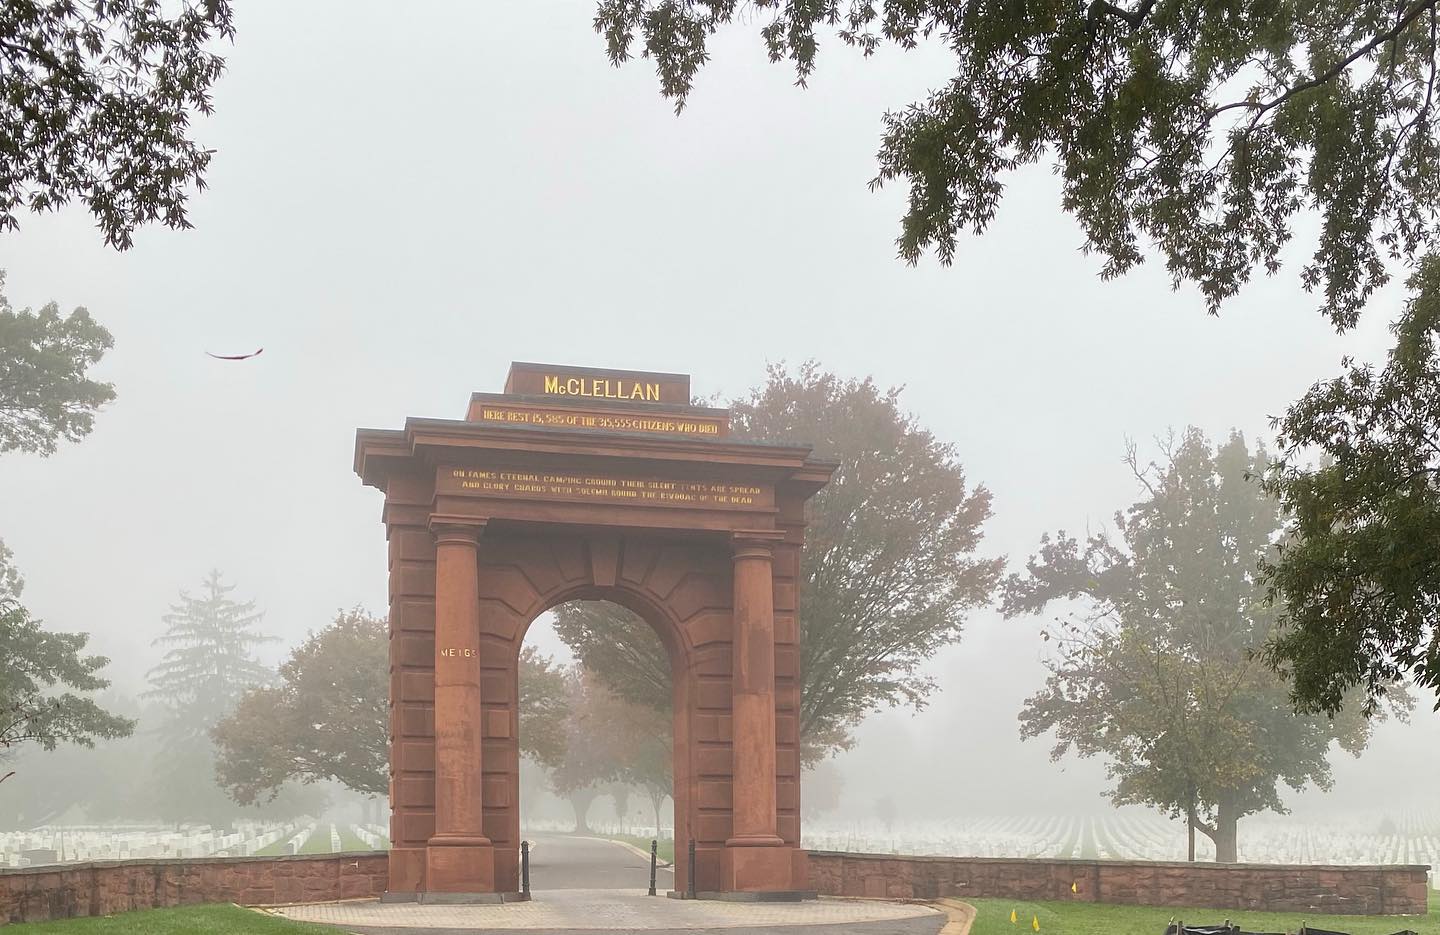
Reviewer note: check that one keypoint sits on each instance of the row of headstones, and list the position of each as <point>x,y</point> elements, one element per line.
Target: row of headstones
<point>374,836</point>
<point>1303,844</point>
<point>52,845</point>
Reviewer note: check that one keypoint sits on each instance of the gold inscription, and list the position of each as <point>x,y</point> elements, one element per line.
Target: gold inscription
<point>602,389</point>
<point>610,489</point>
<point>465,653</point>
<point>664,425</point>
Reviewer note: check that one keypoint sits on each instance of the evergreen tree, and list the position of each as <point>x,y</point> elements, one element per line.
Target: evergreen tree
<point>209,666</point>
<point>210,662</point>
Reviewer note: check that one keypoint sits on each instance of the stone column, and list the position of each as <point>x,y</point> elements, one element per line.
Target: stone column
<point>756,856</point>
<point>459,858</point>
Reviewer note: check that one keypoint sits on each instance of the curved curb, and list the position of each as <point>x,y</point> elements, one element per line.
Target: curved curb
<point>645,855</point>
<point>962,916</point>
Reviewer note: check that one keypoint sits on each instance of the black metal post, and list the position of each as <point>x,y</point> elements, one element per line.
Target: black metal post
<point>524,869</point>
<point>654,851</point>
<point>690,882</point>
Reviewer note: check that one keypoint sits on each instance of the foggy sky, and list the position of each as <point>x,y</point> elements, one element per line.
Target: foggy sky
<point>402,204</point>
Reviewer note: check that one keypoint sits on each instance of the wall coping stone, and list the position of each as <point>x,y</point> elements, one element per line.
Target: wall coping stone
<point>71,866</point>
<point>1102,862</point>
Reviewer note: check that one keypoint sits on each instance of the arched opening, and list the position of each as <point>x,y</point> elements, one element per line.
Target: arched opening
<point>597,753</point>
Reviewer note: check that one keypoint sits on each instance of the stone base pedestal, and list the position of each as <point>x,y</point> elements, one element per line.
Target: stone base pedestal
<point>459,868</point>
<point>407,870</point>
<point>771,868</point>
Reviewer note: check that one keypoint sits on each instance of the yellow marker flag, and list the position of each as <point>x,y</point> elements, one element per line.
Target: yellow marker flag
<point>1013,917</point>
<point>1075,887</point>
<point>1035,923</point>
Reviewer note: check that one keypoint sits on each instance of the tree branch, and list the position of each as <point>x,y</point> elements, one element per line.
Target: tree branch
<point>1262,108</point>
<point>1133,18</point>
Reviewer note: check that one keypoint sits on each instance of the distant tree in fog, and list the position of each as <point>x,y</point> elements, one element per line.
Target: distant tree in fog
<point>208,666</point>
<point>890,572</point>
<point>325,720</point>
<point>209,663</point>
<point>885,811</point>
<point>590,761</point>
<point>1158,671</point>
<point>544,708</point>
<point>329,718</point>
<point>820,788</point>
<point>46,396</point>
<point>610,740</point>
<point>45,681</point>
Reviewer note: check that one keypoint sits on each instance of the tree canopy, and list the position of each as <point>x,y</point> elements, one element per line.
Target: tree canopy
<point>1201,130</point>
<point>1157,671</point>
<point>39,665</point>
<point>1359,579</point>
<point>324,720</point>
<point>890,569</point>
<point>45,394</point>
<point>544,707</point>
<point>328,718</point>
<point>96,100</point>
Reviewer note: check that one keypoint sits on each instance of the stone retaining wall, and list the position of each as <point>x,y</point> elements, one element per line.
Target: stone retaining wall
<point>1271,887</point>
<point>105,887</point>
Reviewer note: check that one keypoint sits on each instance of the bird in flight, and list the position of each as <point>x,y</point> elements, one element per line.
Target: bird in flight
<point>236,356</point>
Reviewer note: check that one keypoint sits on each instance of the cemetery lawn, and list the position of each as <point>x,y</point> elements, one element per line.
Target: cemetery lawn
<point>1082,918</point>
<point>187,920</point>
<point>319,842</point>
<point>665,850</point>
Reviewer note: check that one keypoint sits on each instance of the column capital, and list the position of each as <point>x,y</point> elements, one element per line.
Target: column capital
<point>755,543</point>
<point>456,529</point>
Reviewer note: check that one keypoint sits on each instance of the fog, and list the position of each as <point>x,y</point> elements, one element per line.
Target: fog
<point>400,205</point>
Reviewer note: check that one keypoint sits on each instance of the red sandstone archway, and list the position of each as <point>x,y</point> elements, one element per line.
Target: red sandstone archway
<point>537,499</point>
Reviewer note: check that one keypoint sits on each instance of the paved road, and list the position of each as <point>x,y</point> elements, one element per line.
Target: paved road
<point>567,862</point>
<point>586,886</point>
<point>613,912</point>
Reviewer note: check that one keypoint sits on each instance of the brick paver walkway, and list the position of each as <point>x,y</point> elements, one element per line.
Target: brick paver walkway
<point>580,910</point>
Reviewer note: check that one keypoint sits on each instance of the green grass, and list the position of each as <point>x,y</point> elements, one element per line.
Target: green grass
<point>666,849</point>
<point>1081,918</point>
<point>350,841</point>
<point>189,920</point>
<point>319,842</point>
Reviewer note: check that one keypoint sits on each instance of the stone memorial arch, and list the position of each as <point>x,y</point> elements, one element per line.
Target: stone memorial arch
<point>590,484</point>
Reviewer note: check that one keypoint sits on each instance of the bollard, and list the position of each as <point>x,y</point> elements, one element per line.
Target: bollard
<point>524,869</point>
<point>654,850</point>
<point>690,881</point>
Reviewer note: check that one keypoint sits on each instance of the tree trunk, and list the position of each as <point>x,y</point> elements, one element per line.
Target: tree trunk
<point>1190,827</point>
<point>656,802</point>
<point>1227,820</point>
<point>580,802</point>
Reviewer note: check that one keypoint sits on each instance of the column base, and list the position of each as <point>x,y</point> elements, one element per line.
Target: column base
<point>751,868</point>
<point>465,899</point>
<point>459,865</point>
